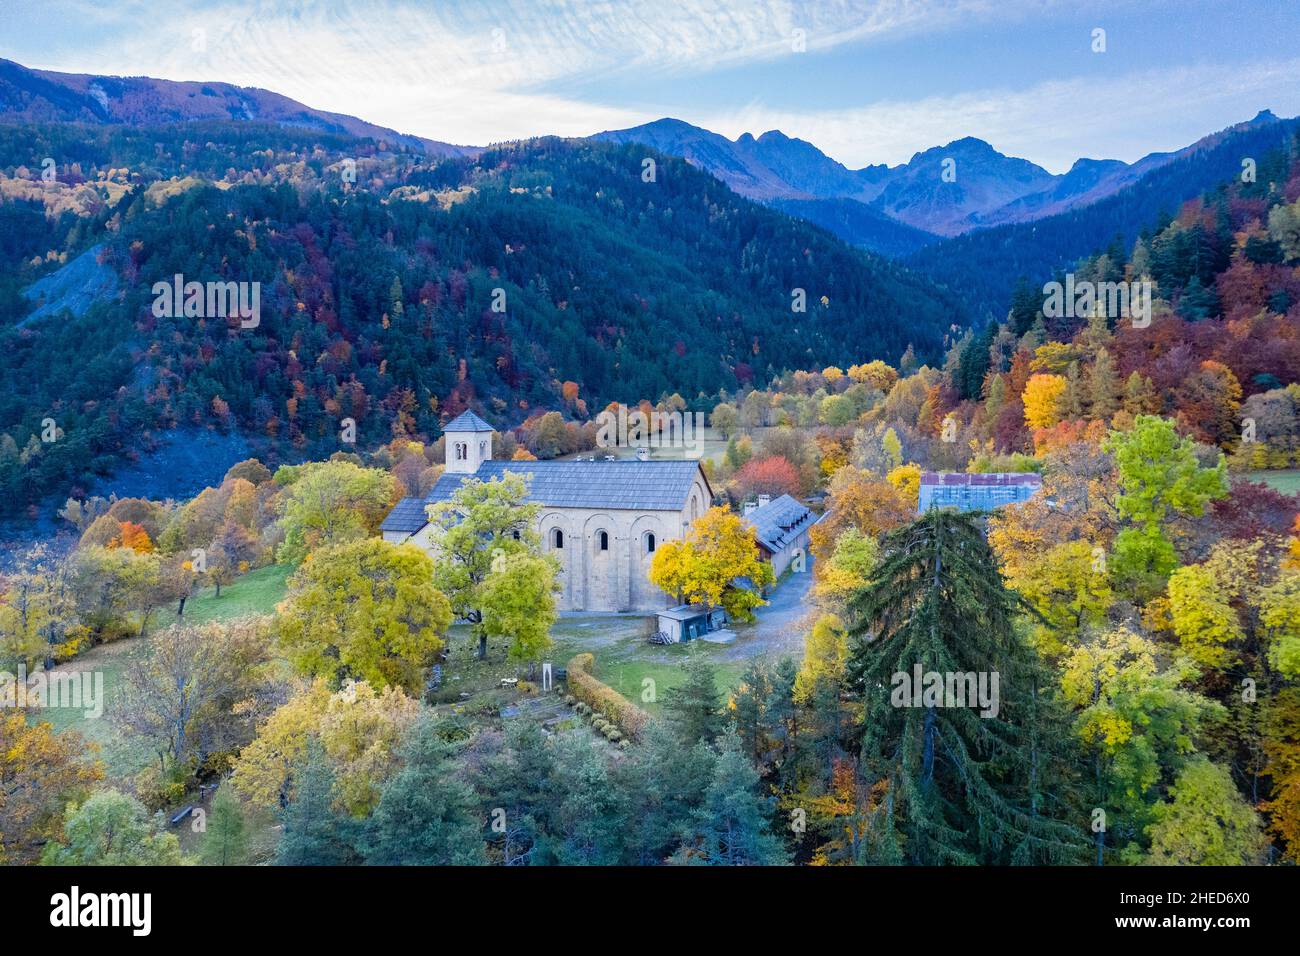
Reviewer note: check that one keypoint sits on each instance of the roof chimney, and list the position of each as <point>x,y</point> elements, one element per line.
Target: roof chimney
<point>764,500</point>
<point>642,453</point>
<point>750,508</point>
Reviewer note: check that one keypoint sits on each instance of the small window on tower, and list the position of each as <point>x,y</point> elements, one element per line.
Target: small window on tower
<point>650,543</point>
<point>603,537</point>
<point>557,538</point>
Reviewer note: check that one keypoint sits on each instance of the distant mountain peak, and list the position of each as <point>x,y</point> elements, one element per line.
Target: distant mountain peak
<point>47,96</point>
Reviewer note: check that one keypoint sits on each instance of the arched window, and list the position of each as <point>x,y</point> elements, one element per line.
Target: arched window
<point>482,449</point>
<point>650,542</point>
<point>695,507</point>
<point>602,538</point>
<point>557,538</point>
<point>462,451</point>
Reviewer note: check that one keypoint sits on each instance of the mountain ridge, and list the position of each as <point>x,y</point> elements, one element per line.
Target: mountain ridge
<point>28,95</point>
<point>989,188</point>
<point>1000,189</point>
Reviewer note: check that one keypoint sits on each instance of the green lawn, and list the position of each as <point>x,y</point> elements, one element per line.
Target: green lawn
<point>122,757</point>
<point>1286,481</point>
<point>257,592</point>
<point>624,659</point>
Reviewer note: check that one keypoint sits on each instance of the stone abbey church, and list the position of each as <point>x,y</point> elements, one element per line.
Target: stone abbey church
<point>603,520</point>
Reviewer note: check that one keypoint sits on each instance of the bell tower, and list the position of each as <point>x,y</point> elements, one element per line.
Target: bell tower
<point>468,443</point>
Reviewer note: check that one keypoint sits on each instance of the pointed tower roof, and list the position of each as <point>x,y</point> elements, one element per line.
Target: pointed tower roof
<point>467,422</point>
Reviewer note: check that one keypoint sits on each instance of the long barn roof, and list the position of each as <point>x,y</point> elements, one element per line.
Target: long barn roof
<point>779,522</point>
<point>627,485</point>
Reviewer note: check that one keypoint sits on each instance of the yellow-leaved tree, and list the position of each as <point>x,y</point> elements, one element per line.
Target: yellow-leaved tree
<point>367,610</point>
<point>1069,587</point>
<point>703,567</point>
<point>907,479</point>
<point>1042,398</point>
<point>1204,600</point>
<point>824,657</point>
<point>359,730</point>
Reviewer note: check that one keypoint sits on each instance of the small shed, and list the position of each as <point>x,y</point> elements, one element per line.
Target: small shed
<point>687,622</point>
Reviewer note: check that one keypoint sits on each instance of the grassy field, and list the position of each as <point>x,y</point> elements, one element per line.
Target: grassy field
<point>122,757</point>
<point>1287,481</point>
<point>255,593</point>
<point>625,659</point>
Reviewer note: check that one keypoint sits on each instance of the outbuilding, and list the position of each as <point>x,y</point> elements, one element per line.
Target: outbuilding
<point>686,622</point>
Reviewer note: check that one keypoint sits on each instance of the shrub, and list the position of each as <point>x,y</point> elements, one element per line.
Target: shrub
<point>630,719</point>
<point>158,789</point>
<point>569,699</point>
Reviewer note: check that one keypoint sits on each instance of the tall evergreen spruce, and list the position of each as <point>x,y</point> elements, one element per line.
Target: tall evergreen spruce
<point>694,707</point>
<point>315,834</point>
<point>426,814</point>
<point>226,841</point>
<point>734,827</point>
<point>962,788</point>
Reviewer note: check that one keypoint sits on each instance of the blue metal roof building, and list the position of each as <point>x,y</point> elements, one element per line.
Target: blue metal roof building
<point>963,491</point>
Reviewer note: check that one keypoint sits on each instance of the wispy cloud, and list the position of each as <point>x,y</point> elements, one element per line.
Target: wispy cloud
<point>478,71</point>
<point>1053,123</point>
<point>471,71</point>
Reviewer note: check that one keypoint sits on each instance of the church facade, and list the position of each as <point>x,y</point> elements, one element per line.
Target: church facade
<point>603,520</point>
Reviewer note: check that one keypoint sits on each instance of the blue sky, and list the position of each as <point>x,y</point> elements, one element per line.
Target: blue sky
<point>875,80</point>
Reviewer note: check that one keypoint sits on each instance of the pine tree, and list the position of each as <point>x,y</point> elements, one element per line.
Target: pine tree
<point>315,834</point>
<point>748,701</point>
<point>666,784</point>
<point>1026,307</point>
<point>426,813</point>
<point>694,706</point>
<point>733,828</point>
<point>965,784</point>
<point>1139,395</point>
<point>226,841</point>
<point>519,782</point>
<point>591,814</point>
<point>1103,387</point>
<point>780,711</point>
<point>1072,399</point>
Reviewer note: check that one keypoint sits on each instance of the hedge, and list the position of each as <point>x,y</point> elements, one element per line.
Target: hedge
<point>603,699</point>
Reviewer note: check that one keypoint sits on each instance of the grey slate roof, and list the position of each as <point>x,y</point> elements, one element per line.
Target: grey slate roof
<point>408,516</point>
<point>467,422</point>
<point>626,485</point>
<point>779,522</point>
